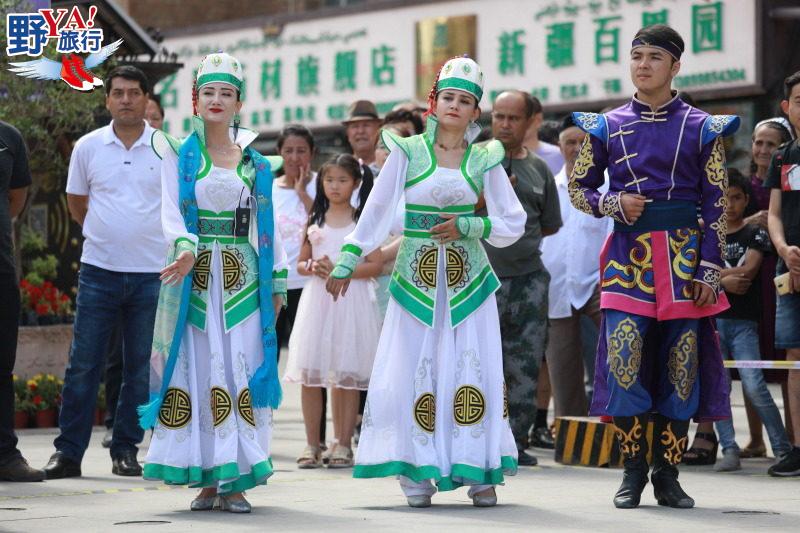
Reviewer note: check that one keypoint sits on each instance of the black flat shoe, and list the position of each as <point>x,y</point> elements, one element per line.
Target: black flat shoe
<point>60,467</point>
<point>542,438</point>
<point>19,470</point>
<point>125,464</point>
<point>526,459</point>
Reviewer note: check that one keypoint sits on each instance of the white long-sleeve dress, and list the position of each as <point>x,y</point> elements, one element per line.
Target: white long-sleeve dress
<point>208,435</point>
<point>419,369</point>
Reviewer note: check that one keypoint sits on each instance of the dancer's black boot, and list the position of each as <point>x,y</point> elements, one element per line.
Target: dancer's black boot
<point>631,433</point>
<point>669,442</point>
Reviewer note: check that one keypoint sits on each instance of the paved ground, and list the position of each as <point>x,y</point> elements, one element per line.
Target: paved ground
<point>547,498</point>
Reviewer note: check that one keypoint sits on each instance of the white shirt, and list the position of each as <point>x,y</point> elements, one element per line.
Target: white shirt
<point>122,230</point>
<point>291,218</point>
<point>572,256</point>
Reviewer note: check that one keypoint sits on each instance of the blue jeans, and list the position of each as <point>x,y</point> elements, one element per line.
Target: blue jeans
<point>739,341</point>
<point>105,297</point>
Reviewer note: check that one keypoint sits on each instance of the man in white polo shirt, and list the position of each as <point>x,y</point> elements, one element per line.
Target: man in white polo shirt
<point>572,256</point>
<point>114,192</point>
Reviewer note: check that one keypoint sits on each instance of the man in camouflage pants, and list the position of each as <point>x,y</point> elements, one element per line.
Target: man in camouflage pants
<point>522,298</point>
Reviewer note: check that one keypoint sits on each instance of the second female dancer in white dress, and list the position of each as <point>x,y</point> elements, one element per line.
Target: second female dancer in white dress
<point>435,409</point>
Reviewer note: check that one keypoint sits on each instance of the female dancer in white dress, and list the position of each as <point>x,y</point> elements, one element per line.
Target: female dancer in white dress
<point>209,430</point>
<point>435,408</point>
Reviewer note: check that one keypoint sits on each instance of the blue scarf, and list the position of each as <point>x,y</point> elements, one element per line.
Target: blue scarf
<point>265,387</point>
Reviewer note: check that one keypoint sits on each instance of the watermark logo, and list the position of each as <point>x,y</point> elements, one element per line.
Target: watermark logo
<point>29,33</point>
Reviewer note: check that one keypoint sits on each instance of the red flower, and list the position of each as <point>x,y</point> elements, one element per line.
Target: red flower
<point>42,309</point>
<point>37,400</point>
<point>32,386</point>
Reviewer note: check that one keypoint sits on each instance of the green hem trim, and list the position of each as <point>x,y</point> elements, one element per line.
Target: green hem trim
<point>280,274</point>
<point>458,313</point>
<point>242,295</point>
<point>417,294</point>
<point>405,300</point>
<point>195,476</point>
<point>460,474</point>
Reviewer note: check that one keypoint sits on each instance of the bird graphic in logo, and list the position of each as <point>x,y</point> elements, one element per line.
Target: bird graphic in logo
<point>74,70</point>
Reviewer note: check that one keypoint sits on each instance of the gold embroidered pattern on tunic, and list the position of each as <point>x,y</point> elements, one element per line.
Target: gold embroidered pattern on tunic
<point>202,271</point>
<point>626,337</point>
<point>425,412</point>
<point>629,441</point>
<point>245,407</point>
<point>469,405</point>
<point>638,274</point>
<point>718,177</point>
<point>682,364</point>
<point>584,162</point>
<point>221,405</point>
<point>231,270</point>
<point>673,446</point>
<point>612,207</point>
<point>683,243</point>
<point>176,409</point>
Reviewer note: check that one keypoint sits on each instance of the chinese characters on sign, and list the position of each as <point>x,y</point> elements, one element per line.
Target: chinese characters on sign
<point>565,52</point>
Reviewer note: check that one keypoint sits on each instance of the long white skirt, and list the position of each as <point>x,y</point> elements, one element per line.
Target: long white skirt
<point>436,405</point>
<point>333,343</point>
<point>207,434</point>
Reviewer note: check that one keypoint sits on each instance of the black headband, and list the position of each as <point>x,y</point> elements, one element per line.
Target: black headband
<point>668,46</point>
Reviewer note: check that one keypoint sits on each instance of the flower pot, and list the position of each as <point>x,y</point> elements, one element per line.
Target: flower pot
<point>46,418</point>
<point>21,419</point>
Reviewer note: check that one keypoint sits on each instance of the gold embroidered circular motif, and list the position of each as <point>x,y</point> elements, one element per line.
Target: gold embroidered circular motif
<point>202,268</point>
<point>455,267</point>
<point>425,412</point>
<point>221,405</point>
<point>231,269</point>
<point>176,409</point>
<point>469,405</point>
<point>246,408</point>
<point>426,268</point>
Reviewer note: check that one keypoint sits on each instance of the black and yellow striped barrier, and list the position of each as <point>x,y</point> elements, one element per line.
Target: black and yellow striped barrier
<point>587,441</point>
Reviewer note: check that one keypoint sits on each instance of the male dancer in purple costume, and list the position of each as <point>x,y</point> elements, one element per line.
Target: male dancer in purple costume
<point>660,268</point>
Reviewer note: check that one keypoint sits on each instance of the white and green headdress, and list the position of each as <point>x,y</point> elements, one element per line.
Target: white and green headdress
<point>462,74</point>
<point>220,68</point>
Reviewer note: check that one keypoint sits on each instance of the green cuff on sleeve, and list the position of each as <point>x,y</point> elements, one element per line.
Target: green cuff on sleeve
<point>182,244</point>
<point>348,259</point>
<point>474,227</point>
<point>280,283</point>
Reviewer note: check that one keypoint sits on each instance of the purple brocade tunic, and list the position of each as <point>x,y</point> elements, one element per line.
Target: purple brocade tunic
<point>674,157</point>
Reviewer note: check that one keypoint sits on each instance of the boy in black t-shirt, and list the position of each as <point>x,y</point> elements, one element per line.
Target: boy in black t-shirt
<point>738,326</point>
<point>784,229</point>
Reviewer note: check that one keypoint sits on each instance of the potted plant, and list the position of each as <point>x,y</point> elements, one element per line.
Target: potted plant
<point>42,302</point>
<point>46,397</point>
<point>22,403</point>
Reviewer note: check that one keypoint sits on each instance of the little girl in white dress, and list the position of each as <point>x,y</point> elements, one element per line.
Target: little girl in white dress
<point>333,343</point>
